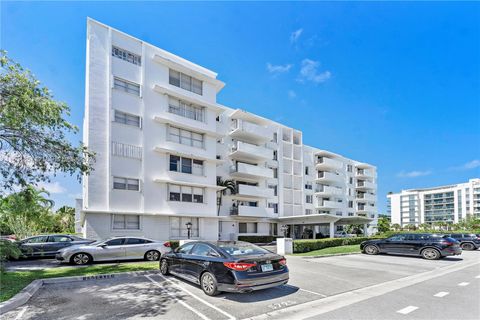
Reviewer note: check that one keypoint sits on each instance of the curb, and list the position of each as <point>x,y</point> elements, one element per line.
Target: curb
<point>330,255</point>
<point>26,293</point>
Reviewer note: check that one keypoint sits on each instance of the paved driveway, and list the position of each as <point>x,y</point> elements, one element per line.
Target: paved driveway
<point>313,281</point>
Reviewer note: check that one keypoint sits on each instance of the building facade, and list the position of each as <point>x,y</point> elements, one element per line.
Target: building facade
<point>448,204</point>
<point>162,142</point>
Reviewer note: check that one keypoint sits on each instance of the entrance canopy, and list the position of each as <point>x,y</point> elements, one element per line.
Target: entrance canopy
<point>324,218</point>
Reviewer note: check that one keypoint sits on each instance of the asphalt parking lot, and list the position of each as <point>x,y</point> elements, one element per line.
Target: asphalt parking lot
<point>341,287</point>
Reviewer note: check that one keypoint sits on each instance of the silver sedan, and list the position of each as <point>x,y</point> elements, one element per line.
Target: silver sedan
<point>119,248</point>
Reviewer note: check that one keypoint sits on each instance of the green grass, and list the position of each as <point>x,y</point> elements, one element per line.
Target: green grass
<point>332,250</point>
<point>12,282</point>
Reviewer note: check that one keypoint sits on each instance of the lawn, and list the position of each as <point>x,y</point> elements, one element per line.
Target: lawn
<point>12,282</point>
<point>332,250</point>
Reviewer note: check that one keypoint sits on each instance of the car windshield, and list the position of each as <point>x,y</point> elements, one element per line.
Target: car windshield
<point>235,248</point>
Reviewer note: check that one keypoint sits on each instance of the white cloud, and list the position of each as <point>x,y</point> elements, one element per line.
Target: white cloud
<point>291,94</point>
<point>276,69</point>
<point>413,174</point>
<point>295,35</point>
<point>52,187</point>
<point>471,165</point>
<point>309,72</point>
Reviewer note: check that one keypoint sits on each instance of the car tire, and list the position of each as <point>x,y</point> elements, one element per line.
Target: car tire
<point>81,259</point>
<point>370,249</point>
<point>467,246</point>
<point>164,267</point>
<point>152,255</point>
<point>209,285</point>
<point>431,254</point>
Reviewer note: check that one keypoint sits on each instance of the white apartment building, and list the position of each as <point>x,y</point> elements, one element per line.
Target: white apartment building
<point>439,204</point>
<point>162,140</point>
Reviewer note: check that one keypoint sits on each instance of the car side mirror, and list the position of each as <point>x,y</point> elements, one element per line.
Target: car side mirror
<point>103,245</point>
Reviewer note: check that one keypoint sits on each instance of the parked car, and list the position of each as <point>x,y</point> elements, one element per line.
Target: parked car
<point>429,246</point>
<point>11,238</point>
<point>49,245</point>
<point>468,241</point>
<point>112,249</point>
<point>343,234</point>
<point>231,266</point>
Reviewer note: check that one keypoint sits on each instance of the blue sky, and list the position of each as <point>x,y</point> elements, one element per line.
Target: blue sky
<point>392,84</point>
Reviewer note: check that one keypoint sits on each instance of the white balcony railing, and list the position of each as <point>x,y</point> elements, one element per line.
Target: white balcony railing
<point>365,196</point>
<point>253,191</point>
<point>250,171</point>
<point>244,129</point>
<point>248,150</point>
<point>247,211</point>
<point>327,163</point>
<point>329,176</point>
<point>327,204</point>
<point>365,185</point>
<point>327,190</point>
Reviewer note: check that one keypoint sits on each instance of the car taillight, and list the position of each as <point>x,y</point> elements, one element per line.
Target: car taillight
<point>167,244</point>
<point>283,262</point>
<point>239,266</point>
<point>448,243</point>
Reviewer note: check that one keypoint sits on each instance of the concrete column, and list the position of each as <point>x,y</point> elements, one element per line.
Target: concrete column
<point>365,227</point>
<point>314,229</point>
<point>284,246</point>
<point>292,231</point>
<point>332,229</point>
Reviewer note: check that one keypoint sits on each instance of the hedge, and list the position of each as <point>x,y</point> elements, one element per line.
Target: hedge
<point>300,246</point>
<point>388,234</point>
<point>257,239</point>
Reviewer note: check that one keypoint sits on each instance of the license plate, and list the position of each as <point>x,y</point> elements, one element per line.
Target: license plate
<point>267,267</point>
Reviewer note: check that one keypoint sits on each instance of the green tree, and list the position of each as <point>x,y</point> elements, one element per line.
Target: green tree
<point>33,132</point>
<point>383,224</point>
<point>65,219</point>
<point>396,226</point>
<point>424,226</point>
<point>227,185</point>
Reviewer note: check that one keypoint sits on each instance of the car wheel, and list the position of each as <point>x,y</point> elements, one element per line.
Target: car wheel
<point>152,255</point>
<point>431,254</point>
<point>164,267</point>
<point>467,246</point>
<point>209,284</point>
<point>370,249</point>
<point>81,258</point>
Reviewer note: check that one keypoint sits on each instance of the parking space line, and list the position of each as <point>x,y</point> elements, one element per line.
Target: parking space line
<point>463,284</point>
<point>441,294</point>
<point>312,292</point>
<point>230,317</point>
<point>407,310</point>
<point>198,313</point>
<point>20,314</point>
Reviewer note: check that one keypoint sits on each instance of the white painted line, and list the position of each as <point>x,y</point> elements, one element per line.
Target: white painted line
<point>478,277</point>
<point>20,314</point>
<point>230,317</point>
<point>407,310</point>
<point>312,292</point>
<point>441,294</point>
<point>198,313</point>
<point>463,284</point>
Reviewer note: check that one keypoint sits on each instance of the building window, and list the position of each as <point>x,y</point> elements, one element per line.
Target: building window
<point>126,184</point>
<point>178,227</point>
<point>273,229</point>
<point>275,173</point>
<point>125,222</point>
<point>275,189</point>
<point>247,227</point>
<point>275,157</point>
<point>274,206</point>
<point>185,193</point>
<point>126,150</point>
<point>275,137</point>
<point>127,86</point>
<point>126,55</point>
<point>309,198</point>
<point>186,165</point>
<point>183,81</point>
<point>308,211</point>
<point>350,180</point>
<point>350,204</point>
<point>308,186</point>
<point>186,110</point>
<point>185,137</point>
<point>349,168</point>
<point>128,119</point>
<point>306,171</point>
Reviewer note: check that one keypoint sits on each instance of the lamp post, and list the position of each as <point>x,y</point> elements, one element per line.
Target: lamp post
<point>283,229</point>
<point>189,226</point>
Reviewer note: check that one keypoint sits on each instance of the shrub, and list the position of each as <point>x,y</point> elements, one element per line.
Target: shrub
<point>300,246</point>
<point>174,244</point>
<point>391,233</point>
<point>257,239</point>
<point>8,251</point>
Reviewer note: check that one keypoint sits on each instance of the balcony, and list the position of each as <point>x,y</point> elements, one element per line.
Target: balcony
<point>364,174</point>
<point>324,163</point>
<point>248,151</point>
<point>327,204</point>
<point>365,197</point>
<point>254,192</point>
<point>328,191</point>
<point>247,211</point>
<point>324,176</point>
<point>365,185</point>
<point>363,208</point>
<point>249,171</point>
<point>249,131</point>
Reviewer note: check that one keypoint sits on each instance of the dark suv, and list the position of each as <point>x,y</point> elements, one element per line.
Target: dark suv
<point>429,246</point>
<point>468,241</point>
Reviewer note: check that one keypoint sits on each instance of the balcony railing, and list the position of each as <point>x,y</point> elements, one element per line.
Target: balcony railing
<point>327,163</point>
<point>251,171</point>
<point>247,211</point>
<point>251,131</point>
<point>249,150</point>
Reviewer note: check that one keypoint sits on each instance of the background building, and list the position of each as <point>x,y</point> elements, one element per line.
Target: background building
<point>440,204</point>
<point>162,141</point>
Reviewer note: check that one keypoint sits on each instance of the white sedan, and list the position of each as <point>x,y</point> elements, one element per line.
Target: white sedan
<point>119,248</point>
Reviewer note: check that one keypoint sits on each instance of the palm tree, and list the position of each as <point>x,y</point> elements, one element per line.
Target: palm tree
<point>396,226</point>
<point>227,185</point>
<point>66,219</point>
<point>424,226</point>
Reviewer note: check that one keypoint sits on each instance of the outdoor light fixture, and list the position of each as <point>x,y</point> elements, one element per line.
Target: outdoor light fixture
<point>189,226</point>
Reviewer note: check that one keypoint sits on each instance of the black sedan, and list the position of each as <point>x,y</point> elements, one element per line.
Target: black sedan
<point>429,246</point>
<point>468,241</point>
<point>230,266</point>
<point>49,245</point>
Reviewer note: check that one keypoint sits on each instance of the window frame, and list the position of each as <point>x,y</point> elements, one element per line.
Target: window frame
<point>126,55</point>
<point>182,135</point>
<point>129,87</point>
<point>125,222</point>
<point>127,185</point>
<point>185,82</point>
